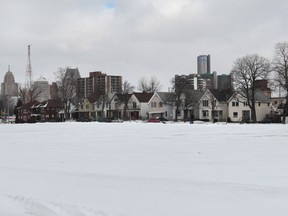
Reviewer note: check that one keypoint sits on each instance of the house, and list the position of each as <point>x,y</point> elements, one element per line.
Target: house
<point>239,111</point>
<point>207,107</point>
<point>25,112</point>
<point>120,107</point>
<point>140,101</point>
<point>102,105</point>
<point>161,105</point>
<point>222,96</point>
<point>86,109</point>
<point>46,111</point>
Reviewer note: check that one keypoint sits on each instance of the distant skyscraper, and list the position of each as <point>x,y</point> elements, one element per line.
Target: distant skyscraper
<point>224,82</point>
<point>203,64</point>
<point>43,89</point>
<point>9,87</point>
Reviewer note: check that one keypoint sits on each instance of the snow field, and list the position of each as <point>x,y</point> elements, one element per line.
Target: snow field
<point>137,169</point>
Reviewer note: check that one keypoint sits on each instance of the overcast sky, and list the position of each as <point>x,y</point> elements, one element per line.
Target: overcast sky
<point>134,38</point>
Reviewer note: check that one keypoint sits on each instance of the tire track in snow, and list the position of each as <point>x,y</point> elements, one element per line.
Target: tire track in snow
<point>36,207</point>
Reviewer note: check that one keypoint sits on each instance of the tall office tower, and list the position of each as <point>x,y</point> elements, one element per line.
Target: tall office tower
<point>43,89</point>
<point>203,64</point>
<point>224,82</point>
<point>98,83</point>
<point>9,87</point>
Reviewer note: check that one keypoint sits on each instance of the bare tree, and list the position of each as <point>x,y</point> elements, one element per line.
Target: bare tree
<point>246,71</point>
<point>67,86</point>
<point>280,67</point>
<point>127,90</point>
<point>29,93</point>
<point>181,85</point>
<point>149,86</point>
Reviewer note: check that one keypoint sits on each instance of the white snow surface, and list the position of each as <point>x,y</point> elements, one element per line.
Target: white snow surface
<point>143,169</point>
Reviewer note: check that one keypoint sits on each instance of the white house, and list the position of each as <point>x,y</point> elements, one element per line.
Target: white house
<point>239,111</point>
<point>207,107</point>
<point>161,105</point>
<point>140,100</point>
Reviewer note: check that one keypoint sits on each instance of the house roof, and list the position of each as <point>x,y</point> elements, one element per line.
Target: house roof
<point>196,95</point>
<point>260,96</point>
<point>29,105</point>
<point>222,95</point>
<point>166,97</point>
<point>143,97</point>
<point>93,98</point>
<point>51,103</point>
<point>123,97</point>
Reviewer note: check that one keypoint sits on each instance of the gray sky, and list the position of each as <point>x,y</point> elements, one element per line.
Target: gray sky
<point>136,38</point>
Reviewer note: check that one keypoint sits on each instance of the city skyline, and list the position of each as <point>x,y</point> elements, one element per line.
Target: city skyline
<point>133,39</point>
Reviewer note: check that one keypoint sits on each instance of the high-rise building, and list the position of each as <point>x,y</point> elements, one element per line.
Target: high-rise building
<point>98,83</point>
<point>224,82</point>
<point>54,91</point>
<point>203,64</point>
<point>42,88</point>
<point>9,87</point>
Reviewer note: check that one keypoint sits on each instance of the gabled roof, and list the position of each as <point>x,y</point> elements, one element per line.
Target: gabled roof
<point>143,97</point>
<point>54,103</point>
<point>222,95</point>
<point>123,97</point>
<point>196,95</point>
<point>29,105</point>
<point>51,103</point>
<point>93,98</point>
<point>166,97</point>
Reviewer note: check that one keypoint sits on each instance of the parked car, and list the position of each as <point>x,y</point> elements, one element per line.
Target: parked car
<point>117,121</point>
<point>154,120</point>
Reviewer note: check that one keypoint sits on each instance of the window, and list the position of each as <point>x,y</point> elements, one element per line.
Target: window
<point>153,104</point>
<point>134,105</point>
<point>259,104</point>
<point>268,104</point>
<point>205,113</point>
<point>205,103</point>
<point>87,106</point>
<point>220,113</point>
<point>235,103</point>
<point>235,114</point>
<point>166,114</point>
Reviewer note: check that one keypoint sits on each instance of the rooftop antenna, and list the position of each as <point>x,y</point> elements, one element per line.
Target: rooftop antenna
<point>29,68</point>
<point>8,68</point>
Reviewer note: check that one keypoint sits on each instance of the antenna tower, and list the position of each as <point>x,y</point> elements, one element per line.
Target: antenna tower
<point>29,68</point>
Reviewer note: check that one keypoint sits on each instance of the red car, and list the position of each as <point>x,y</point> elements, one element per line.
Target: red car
<point>154,120</point>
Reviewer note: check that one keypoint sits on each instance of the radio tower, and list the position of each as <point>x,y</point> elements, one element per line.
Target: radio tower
<point>29,68</point>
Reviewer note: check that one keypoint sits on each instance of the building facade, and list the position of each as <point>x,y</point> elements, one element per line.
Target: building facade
<point>98,83</point>
<point>203,64</point>
<point>9,87</point>
<point>43,89</point>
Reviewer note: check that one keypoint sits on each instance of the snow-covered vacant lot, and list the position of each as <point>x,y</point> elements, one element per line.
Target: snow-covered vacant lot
<point>137,169</point>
